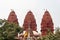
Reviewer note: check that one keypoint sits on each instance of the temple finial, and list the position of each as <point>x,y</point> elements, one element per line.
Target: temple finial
<point>12,10</point>
<point>46,9</point>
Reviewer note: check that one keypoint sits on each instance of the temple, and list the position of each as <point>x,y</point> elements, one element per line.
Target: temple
<point>12,18</point>
<point>30,26</point>
<point>46,23</point>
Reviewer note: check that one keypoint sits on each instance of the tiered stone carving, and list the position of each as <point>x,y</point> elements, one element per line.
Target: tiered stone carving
<point>29,18</point>
<point>46,23</point>
<point>12,17</point>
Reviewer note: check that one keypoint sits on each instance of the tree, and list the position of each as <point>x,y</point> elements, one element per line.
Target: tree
<point>57,33</point>
<point>49,36</point>
<point>9,31</point>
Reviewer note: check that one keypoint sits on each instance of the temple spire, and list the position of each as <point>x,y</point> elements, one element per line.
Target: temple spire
<point>46,23</point>
<point>30,17</point>
<point>12,18</point>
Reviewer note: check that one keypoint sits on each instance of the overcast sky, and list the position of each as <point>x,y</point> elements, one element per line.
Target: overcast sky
<point>38,7</point>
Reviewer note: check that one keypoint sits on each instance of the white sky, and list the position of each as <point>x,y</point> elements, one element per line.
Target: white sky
<point>21,7</point>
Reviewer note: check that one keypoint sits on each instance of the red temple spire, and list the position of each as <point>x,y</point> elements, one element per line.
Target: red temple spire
<point>29,19</point>
<point>12,17</point>
<point>46,23</point>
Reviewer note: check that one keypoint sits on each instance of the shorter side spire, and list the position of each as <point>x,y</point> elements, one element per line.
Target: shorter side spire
<point>46,23</point>
<point>12,18</point>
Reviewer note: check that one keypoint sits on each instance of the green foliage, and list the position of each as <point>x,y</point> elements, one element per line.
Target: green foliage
<point>9,31</point>
<point>1,21</point>
<point>57,33</point>
<point>51,36</point>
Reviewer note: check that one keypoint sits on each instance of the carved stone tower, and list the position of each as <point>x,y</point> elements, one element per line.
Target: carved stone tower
<point>29,18</point>
<point>12,17</point>
<point>47,23</point>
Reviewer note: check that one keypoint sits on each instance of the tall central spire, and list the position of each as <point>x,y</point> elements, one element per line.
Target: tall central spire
<point>30,18</point>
